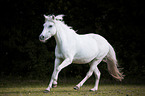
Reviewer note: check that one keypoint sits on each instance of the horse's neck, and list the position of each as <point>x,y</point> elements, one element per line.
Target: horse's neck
<point>64,37</point>
<point>60,38</point>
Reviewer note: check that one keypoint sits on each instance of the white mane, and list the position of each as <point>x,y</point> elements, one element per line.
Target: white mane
<point>60,25</point>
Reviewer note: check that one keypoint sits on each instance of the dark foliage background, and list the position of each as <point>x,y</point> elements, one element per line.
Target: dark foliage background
<point>121,22</point>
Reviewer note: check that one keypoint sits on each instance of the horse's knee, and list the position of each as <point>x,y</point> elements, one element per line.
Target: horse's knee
<point>97,74</point>
<point>58,69</point>
<point>89,74</point>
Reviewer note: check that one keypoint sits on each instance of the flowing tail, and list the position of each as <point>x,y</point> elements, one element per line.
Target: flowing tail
<point>112,65</point>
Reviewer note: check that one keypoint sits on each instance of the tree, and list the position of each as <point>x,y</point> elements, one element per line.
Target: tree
<point>120,22</point>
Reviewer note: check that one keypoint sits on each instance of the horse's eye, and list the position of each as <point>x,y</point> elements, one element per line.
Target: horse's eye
<point>50,26</point>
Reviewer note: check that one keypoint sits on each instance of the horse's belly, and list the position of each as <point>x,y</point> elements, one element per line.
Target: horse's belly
<point>86,55</point>
<point>82,61</point>
<point>84,58</point>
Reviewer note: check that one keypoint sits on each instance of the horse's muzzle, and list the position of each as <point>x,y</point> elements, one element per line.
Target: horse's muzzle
<point>41,37</point>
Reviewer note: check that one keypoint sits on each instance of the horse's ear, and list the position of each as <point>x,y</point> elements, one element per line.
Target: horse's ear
<point>45,16</point>
<point>59,17</point>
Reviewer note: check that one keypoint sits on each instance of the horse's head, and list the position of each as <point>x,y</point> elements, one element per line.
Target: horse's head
<point>49,27</point>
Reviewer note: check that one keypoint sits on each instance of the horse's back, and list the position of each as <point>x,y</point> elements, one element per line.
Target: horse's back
<point>90,46</point>
<point>98,38</point>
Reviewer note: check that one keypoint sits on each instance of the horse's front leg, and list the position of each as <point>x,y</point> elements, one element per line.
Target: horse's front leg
<point>56,71</point>
<point>52,81</point>
<point>64,64</point>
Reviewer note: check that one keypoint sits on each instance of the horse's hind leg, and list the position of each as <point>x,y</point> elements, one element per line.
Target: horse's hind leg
<point>90,72</point>
<point>97,75</point>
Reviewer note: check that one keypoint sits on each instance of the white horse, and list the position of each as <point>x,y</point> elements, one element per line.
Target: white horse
<point>74,48</point>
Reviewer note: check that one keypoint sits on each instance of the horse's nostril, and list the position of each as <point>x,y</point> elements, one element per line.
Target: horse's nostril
<point>41,37</point>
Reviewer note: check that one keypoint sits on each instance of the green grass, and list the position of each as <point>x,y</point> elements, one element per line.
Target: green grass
<point>36,88</point>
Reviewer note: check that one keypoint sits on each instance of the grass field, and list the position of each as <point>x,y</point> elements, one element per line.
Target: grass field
<point>36,88</point>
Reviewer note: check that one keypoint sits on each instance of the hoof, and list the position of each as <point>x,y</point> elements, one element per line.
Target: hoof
<point>76,88</point>
<point>46,91</point>
<point>91,90</point>
<point>54,85</point>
